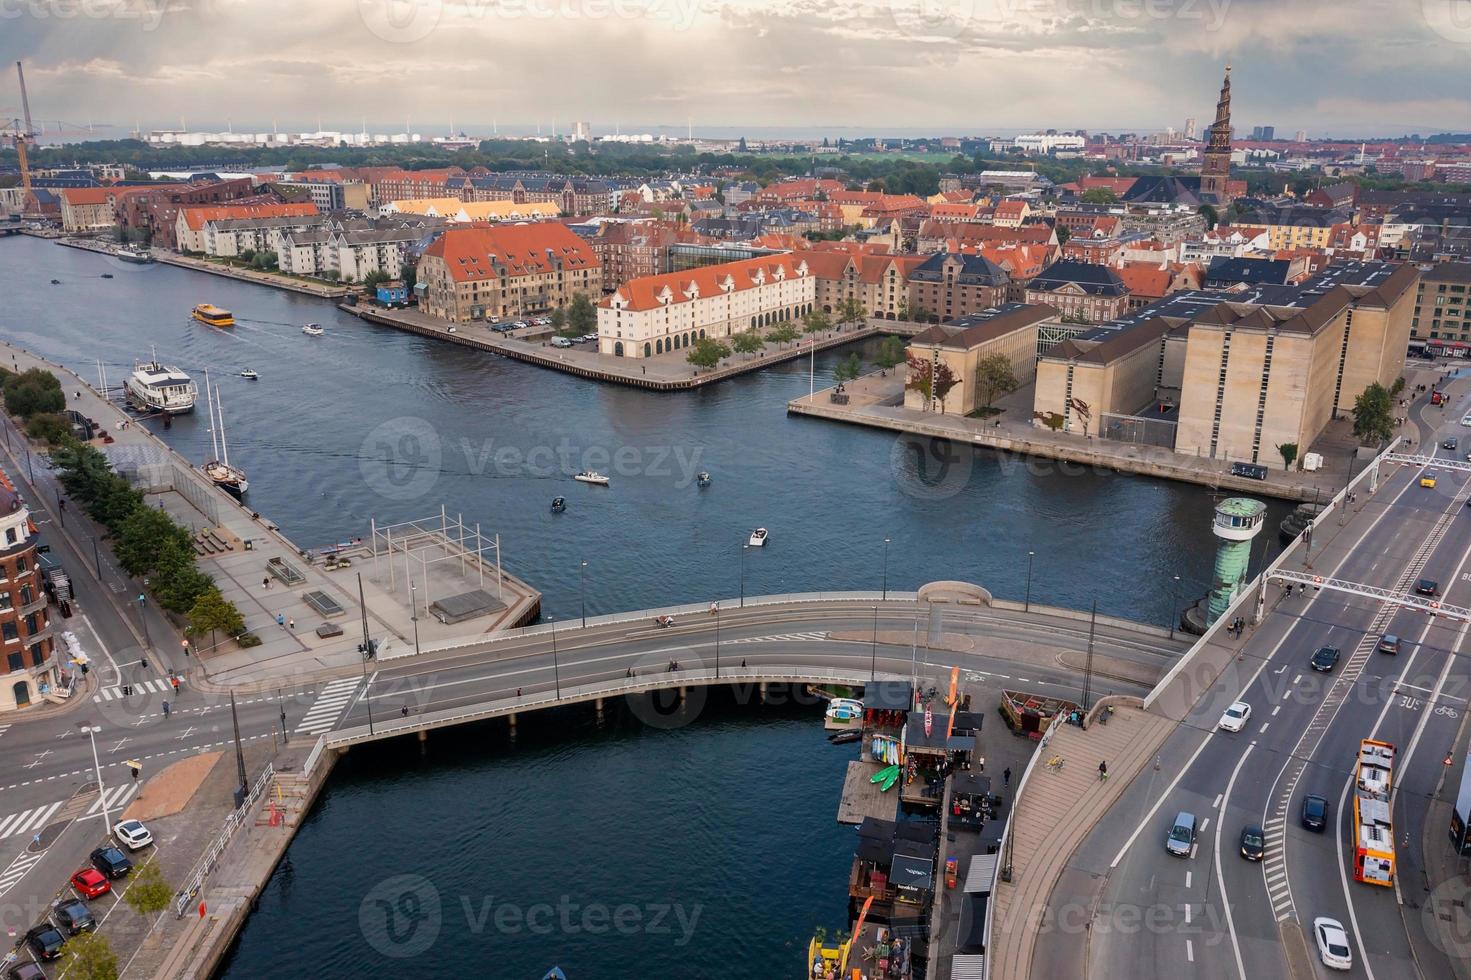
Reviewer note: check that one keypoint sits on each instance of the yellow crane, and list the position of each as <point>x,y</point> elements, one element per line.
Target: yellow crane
<point>22,137</point>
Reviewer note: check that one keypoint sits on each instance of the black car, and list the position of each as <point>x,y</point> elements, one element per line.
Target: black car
<point>1427,586</point>
<point>1325,659</point>
<point>1253,842</point>
<point>1315,813</point>
<point>45,941</point>
<point>111,862</point>
<point>26,971</point>
<point>73,915</point>
<point>1449,443</point>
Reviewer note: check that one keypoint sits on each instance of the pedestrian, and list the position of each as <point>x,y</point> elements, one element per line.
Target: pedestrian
<point>265,583</point>
<point>1006,778</point>
<point>186,649</point>
<point>143,662</point>
<point>280,620</point>
<point>518,692</point>
<point>165,709</point>
<point>404,711</point>
<point>291,624</point>
<point>175,681</point>
<point>1103,771</point>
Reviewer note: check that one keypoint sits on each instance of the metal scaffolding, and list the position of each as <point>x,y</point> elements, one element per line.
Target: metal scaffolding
<point>429,541</point>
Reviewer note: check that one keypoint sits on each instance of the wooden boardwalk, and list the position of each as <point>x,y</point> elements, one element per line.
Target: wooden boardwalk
<point>862,798</point>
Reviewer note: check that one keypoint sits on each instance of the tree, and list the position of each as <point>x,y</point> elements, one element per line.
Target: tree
<point>409,274</point>
<point>559,323</point>
<point>49,428</point>
<point>1099,195</point>
<point>247,255</point>
<point>920,370</point>
<point>177,582</point>
<point>995,376</point>
<point>816,322</point>
<point>149,893</point>
<point>1398,387</point>
<point>372,279</point>
<point>1211,216</point>
<point>890,354</point>
<point>748,341</point>
<point>848,369</point>
<point>1373,418</point>
<point>582,316</point>
<point>707,352</point>
<point>1289,454</point>
<point>144,537</point>
<point>90,957</point>
<point>1063,234</point>
<point>783,333</point>
<point>851,310</point>
<point>32,393</point>
<point>115,503</point>
<point>212,612</point>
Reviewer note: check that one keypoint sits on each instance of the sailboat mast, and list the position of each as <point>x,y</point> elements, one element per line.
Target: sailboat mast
<point>214,447</point>
<point>224,447</point>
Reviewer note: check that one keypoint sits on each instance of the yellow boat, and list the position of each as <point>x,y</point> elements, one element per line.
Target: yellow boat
<point>214,316</point>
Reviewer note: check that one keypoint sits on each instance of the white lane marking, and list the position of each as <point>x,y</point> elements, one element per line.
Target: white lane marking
<point>1265,724</point>
<point>1190,951</point>
<point>1220,878</point>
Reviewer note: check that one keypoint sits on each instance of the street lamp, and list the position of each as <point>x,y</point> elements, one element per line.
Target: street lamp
<point>1027,606</point>
<point>556,671</point>
<point>1175,608</point>
<point>873,655</point>
<point>744,548</point>
<point>143,618</point>
<point>582,591</point>
<point>92,731</point>
<point>886,569</point>
<point>717,641</point>
<point>414,614</point>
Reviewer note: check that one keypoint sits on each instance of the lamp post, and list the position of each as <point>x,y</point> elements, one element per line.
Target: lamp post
<point>414,614</point>
<point>886,569</point>
<point>582,591</point>
<point>92,731</point>
<point>1027,606</point>
<point>717,641</point>
<point>744,548</point>
<point>873,655</point>
<point>367,648</point>
<point>143,618</point>
<point>556,671</point>
<point>1175,608</point>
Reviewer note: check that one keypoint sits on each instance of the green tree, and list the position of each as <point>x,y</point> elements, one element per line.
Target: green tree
<point>144,537</point>
<point>1099,195</point>
<point>816,322</point>
<point>919,315</point>
<point>149,893</point>
<point>707,352</point>
<point>1211,216</point>
<point>582,316</point>
<point>890,354</point>
<point>49,428</point>
<point>372,279</point>
<point>848,369</point>
<point>748,341</point>
<point>1063,234</point>
<point>920,371</point>
<point>116,501</point>
<point>177,582</point>
<point>1373,419</point>
<point>410,276</point>
<point>1398,387</point>
<point>559,323</point>
<point>783,333</point>
<point>851,310</point>
<point>247,255</point>
<point>212,613</point>
<point>90,957</point>
<point>1289,454</point>
<point>995,376</point>
<point>32,393</point>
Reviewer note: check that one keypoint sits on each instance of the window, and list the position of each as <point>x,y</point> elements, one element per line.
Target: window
<point>27,595</point>
<point>38,654</point>
<point>8,632</point>
<point>22,565</point>
<point>10,535</point>
<point>15,662</point>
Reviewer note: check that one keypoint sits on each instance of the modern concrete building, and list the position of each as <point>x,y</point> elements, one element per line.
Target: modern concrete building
<point>1083,379</point>
<point>505,271</point>
<point>1009,330</point>
<point>28,669</point>
<point>1442,318</point>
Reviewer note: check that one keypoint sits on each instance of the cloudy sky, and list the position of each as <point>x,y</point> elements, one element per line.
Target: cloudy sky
<point>1350,67</point>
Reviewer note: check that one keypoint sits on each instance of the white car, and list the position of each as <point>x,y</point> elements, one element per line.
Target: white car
<point>1466,420</point>
<point>1332,943</point>
<point>1236,717</point>
<point>133,834</point>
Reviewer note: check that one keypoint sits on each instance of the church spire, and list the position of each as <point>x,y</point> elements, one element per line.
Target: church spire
<point>1215,170</point>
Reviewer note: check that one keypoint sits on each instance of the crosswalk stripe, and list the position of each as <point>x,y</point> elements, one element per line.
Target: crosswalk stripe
<point>116,797</point>
<point>4,729</point>
<point>10,823</point>
<point>331,701</point>
<point>17,869</point>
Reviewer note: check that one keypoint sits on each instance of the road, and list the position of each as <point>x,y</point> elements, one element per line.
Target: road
<point>1218,915</point>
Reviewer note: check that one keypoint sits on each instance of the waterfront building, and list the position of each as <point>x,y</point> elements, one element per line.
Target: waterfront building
<point>669,312</point>
<point>87,210</point>
<point>1081,292</point>
<point>879,282</point>
<point>947,285</point>
<point>1085,379</point>
<point>1009,330</point>
<point>358,253</point>
<point>28,671</point>
<point>189,223</point>
<point>230,237</point>
<point>1442,317</point>
<point>505,271</point>
<point>152,212</point>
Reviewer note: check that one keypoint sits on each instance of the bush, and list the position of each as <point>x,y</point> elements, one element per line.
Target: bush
<point>247,640</point>
<point>32,393</point>
<point>49,428</point>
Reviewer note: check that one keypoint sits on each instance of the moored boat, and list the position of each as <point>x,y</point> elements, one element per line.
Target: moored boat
<point>230,479</point>
<point>758,537</point>
<point>155,387</point>
<point>214,316</point>
<point>137,256</point>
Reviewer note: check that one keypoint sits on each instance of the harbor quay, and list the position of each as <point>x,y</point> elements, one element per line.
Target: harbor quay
<point>275,280</point>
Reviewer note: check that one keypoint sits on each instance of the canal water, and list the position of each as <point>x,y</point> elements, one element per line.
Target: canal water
<point>733,815</point>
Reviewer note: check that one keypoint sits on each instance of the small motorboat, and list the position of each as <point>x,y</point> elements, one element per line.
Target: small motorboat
<point>702,479</point>
<point>593,477</point>
<point>555,973</point>
<point>249,375</point>
<point>313,330</point>
<point>842,738</point>
<point>56,282</point>
<point>758,537</point>
<point>107,275</point>
<point>559,504</point>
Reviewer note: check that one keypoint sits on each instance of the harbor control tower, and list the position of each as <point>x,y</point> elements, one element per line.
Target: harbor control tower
<point>1238,520</point>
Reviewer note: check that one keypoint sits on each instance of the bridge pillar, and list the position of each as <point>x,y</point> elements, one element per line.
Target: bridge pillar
<point>763,692</point>
<point>682,691</point>
<point>512,719</point>
<point>598,704</point>
<point>1374,478</point>
<point>423,741</point>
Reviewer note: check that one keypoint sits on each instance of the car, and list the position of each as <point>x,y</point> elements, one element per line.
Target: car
<point>111,862</point>
<point>561,342</point>
<point>1428,480</point>
<point>1333,947</point>
<point>543,321</point>
<point>1236,717</point>
<point>1253,842</point>
<point>1181,838</point>
<point>1315,813</point>
<point>90,883</point>
<point>72,915</point>
<point>1449,443</point>
<point>133,834</point>
<point>1466,420</point>
<point>1325,659</point>
<point>1427,586</point>
<point>25,971</point>
<point>1388,643</point>
<point>588,338</point>
<point>45,941</point>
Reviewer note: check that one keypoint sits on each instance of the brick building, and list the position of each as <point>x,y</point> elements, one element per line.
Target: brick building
<point>505,271</point>
<point>27,667</point>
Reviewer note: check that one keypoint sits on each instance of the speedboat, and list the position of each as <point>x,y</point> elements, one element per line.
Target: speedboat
<point>702,479</point>
<point>593,477</point>
<point>249,375</point>
<point>313,330</point>
<point>56,282</point>
<point>559,504</point>
<point>758,537</point>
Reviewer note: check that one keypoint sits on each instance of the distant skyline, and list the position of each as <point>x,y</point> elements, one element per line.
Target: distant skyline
<point>759,68</point>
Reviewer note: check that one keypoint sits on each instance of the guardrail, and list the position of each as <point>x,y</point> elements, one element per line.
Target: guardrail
<point>195,882</point>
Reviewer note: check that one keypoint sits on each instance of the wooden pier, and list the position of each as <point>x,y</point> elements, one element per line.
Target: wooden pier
<point>862,797</point>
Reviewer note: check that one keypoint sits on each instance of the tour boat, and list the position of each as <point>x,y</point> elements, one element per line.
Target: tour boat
<point>155,387</point>
<point>593,477</point>
<point>214,316</point>
<point>249,375</point>
<point>559,504</point>
<point>230,479</point>
<point>702,478</point>
<point>137,256</point>
<point>313,330</point>
<point>758,537</point>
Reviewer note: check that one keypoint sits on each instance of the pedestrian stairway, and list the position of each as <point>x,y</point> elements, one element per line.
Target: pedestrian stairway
<point>332,701</point>
<point>289,792</point>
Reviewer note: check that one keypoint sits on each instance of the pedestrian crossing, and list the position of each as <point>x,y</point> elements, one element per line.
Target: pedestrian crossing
<point>117,798</point>
<point>158,686</point>
<point>789,637</point>
<point>28,821</point>
<point>17,869</point>
<point>331,702</point>
<point>4,729</point>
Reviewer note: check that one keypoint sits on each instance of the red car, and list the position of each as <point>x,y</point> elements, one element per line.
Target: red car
<point>90,883</point>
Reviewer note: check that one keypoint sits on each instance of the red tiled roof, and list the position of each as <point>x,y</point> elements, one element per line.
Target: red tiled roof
<point>79,196</point>
<point>1145,279</point>
<point>520,250</point>
<point>195,218</point>
<point>646,292</point>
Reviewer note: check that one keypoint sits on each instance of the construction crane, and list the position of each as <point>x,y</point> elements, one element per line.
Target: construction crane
<point>22,138</point>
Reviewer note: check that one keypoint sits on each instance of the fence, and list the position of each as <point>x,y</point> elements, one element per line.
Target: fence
<point>1137,429</point>
<point>205,501</point>
<point>206,864</point>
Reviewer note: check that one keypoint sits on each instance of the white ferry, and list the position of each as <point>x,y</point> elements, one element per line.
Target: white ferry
<point>155,387</point>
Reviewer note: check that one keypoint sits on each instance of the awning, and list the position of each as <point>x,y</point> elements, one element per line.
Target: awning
<point>970,784</point>
<point>980,874</point>
<point>912,874</point>
<point>972,936</point>
<point>888,696</point>
<point>968,966</point>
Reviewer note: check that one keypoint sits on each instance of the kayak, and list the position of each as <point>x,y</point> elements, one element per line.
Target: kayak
<point>889,781</point>
<point>890,772</point>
